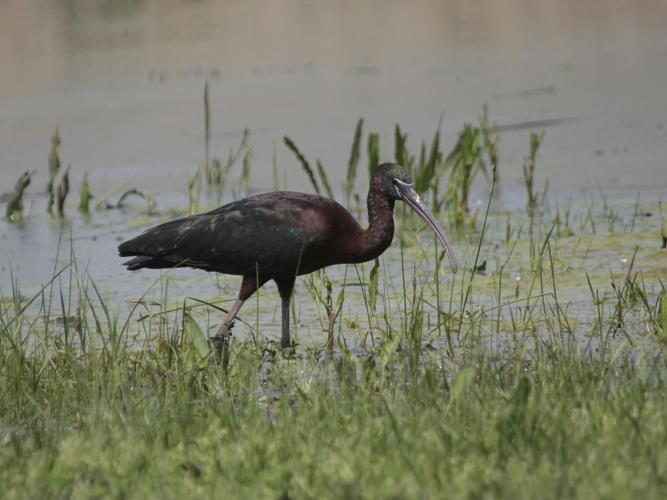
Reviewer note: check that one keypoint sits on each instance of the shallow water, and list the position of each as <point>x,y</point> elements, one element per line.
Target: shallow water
<point>123,81</point>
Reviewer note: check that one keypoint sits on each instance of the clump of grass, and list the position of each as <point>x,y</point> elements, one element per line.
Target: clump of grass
<point>14,208</point>
<point>84,195</point>
<point>62,192</point>
<point>475,148</point>
<point>562,222</point>
<point>214,172</point>
<point>489,139</point>
<point>401,153</point>
<point>217,175</point>
<point>425,173</point>
<point>318,281</point>
<point>212,168</point>
<point>54,168</point>
<point>465,162</point>
<point>57,194</point>
<point>529,171</point>
<point>214,176</point>
<point>426,170</point>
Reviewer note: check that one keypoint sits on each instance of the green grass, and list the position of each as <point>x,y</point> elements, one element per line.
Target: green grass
<point>163,421</point>
<point>526,400</point>
<point>538,371</point>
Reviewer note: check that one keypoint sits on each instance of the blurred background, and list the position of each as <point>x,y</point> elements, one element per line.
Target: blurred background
<point>123,80</point>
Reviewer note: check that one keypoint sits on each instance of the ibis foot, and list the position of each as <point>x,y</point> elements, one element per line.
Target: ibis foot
<point>220,343</point>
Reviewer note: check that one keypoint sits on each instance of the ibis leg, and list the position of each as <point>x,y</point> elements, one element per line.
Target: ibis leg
<point>221,340</point>
<point>228,323</point>
<point>285,287</point>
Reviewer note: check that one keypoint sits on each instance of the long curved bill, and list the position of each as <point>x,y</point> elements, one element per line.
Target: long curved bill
<point>410,196</point>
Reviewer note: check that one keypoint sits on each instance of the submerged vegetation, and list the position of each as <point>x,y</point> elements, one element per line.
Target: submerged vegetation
<point>537,371</point>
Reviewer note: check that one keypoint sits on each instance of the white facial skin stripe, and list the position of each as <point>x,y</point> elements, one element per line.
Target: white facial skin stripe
<point>398,182</point>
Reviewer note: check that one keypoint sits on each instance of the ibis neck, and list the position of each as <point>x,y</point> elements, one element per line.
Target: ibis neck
<point>373,241</point>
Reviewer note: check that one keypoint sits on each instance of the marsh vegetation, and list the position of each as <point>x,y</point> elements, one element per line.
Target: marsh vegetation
<point>538,370</point>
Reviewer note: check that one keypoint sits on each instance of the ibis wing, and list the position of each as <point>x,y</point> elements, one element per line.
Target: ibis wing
<point>257,234</point>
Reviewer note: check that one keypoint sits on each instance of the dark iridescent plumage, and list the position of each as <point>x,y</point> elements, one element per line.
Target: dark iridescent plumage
<point>278,236</point>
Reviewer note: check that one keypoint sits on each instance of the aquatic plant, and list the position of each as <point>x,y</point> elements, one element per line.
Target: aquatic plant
<point>151,203</point>
<point>214,172</point>
<point>465,162</point>
<point>244,180</point>
<point>212,167</point>
<point>14,208</point>
<point>324,178</point>
<point>220,173</point>
<point>529,171</point>
<point>353,161</point>
<point>304,163</point>
<point>373,153</point>
<point>62,192</point>
<point>401,154</point>
<point>316,282</point>
<point>489,139</point>
<point>54,168</point>
<point>84,195</point>
<point>425,171</point>
<point>214,175</point>
<point>194,193</point>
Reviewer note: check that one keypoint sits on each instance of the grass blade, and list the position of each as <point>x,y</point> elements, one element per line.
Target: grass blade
<point>354,159</point>
<point>324,179</point>
<point>304,163</point>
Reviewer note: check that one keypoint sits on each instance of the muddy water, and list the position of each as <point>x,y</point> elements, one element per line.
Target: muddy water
<point>123,82</point>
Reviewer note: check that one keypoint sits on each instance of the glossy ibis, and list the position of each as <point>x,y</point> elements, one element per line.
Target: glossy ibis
<point>278,236</point>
